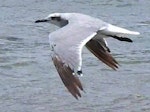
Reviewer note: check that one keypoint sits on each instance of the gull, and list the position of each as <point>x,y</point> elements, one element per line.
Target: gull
<point>66,44</point>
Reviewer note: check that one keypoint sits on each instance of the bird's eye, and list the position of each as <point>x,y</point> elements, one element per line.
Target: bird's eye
<point>56,18</point>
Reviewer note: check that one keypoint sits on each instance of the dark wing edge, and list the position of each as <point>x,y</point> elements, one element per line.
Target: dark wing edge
<point>68,77</point>
<point>121,38</point>
<point>102,54</point>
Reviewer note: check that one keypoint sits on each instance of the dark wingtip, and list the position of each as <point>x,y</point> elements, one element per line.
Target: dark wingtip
<point>121,38</point>
<point>70,80</point>
<point>37,21</point>
<point>126,39</point>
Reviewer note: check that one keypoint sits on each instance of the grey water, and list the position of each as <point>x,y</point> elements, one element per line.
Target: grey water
<point>29,81</point>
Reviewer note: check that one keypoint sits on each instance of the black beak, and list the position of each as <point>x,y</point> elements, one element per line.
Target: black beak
<point>42,20</point>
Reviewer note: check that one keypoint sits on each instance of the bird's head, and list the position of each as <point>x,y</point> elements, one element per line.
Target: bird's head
<point>58,19</point>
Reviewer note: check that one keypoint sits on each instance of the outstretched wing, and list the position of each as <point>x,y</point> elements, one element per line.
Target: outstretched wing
<point>70,80</point>
<point>67,44</point>
<point>98,46</point>
<point>101,51</point>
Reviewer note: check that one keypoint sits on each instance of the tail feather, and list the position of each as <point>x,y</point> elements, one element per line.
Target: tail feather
<point>118,31</point>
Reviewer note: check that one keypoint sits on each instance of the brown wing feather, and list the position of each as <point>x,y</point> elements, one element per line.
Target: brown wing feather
<point>71,81</point>
<point>98,50</point>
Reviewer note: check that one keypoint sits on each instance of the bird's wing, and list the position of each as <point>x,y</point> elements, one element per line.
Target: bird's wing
<point>101,40</point>
<point>67,44</point>
<point>117,32</point>
<point>100,49</point>
<point>98,45</point>
<point>70,80</point>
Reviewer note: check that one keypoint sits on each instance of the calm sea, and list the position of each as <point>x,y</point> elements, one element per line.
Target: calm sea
<point>29,81</point>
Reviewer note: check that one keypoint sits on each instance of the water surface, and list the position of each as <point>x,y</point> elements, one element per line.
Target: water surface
<point>29,81</point>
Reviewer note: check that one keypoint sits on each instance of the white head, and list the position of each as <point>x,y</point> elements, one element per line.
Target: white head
<point>58,19</point>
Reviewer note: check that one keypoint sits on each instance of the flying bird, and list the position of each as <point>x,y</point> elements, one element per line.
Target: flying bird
<point>66,44</point>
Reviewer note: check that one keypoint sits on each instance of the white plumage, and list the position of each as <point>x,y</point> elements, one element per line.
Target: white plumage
<point>78,30</point>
